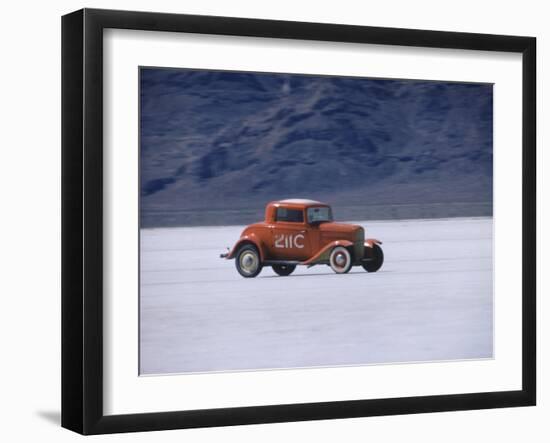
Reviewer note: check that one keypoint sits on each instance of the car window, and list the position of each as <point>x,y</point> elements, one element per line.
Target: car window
<point>319,214</point>
<point>289,215</point>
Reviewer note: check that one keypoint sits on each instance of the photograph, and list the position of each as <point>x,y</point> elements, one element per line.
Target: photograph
<point>296,220</point>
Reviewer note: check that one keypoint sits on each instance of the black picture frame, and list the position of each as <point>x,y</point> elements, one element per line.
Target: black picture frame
<point>82,218</point>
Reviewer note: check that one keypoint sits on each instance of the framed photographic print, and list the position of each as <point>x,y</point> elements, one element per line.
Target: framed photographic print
<point>269,221</point>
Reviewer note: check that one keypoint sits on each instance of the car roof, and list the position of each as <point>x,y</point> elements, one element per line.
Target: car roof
<point>298,202</point>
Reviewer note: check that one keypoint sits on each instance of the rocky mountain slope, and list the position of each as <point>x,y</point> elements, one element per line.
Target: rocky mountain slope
<point>215,146</point>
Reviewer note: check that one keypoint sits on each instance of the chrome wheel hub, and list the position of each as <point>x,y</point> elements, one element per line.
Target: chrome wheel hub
<point>249,262</point>
<point>340,259</point>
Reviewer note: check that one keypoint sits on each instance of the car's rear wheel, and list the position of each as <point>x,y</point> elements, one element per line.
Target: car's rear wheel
<point>376,257</point>
<point>247,261</point>
<point>340,260</point>
<point>283,270</point>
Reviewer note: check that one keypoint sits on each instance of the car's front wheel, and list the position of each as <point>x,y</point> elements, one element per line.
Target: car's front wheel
<point>340,260</point>
<point>376,258</point>
<point>283,270</point>
<point>247,261</point>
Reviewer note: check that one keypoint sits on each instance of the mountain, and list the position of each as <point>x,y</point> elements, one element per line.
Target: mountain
<point>216,146</point>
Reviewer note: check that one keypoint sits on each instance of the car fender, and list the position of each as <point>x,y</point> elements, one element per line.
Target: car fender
<point>323,253</point>
<point>370,242</point>
<point>247,238</point>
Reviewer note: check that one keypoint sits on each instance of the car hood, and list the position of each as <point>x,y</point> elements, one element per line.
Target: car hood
<point>338,228</point>
<point>341,231</point>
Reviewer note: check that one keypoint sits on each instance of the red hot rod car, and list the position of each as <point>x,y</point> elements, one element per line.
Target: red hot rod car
<point>302,232</point>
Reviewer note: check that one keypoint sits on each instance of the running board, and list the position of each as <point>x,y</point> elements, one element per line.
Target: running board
<point>297,263</point>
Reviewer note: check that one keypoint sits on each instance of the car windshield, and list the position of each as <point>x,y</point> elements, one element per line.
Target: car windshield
<point>319,214</point>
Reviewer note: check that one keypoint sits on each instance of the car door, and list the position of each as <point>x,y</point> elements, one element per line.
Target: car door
<point>289,236</point>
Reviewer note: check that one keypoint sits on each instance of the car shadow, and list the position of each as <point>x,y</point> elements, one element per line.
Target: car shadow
<point>318,274</point>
